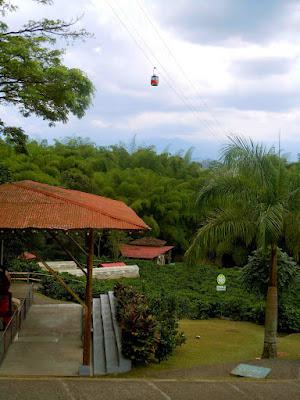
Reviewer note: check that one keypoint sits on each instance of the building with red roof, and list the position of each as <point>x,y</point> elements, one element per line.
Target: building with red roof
<point>147,249</point>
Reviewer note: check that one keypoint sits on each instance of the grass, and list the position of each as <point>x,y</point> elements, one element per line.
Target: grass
<point>221,341</point>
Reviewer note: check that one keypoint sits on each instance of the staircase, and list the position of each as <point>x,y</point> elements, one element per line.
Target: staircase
<point>107,354</point>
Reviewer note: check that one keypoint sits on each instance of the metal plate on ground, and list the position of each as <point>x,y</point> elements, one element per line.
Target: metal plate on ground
<point>250,371</point>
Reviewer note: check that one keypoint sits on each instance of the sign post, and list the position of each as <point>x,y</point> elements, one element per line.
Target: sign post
<point>221,280</point>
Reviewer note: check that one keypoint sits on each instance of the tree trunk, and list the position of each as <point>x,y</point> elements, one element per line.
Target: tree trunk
<point>270,340</point>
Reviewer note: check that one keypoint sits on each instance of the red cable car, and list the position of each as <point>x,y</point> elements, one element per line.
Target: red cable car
<point>154,78</point>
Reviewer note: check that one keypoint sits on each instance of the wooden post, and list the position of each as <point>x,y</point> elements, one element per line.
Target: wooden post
<point>88,300</point>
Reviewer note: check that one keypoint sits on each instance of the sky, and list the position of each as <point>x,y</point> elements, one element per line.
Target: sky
<point>226,67</point>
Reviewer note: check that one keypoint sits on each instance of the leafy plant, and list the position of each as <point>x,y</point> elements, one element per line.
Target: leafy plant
<point>255,275</point>
<point>18,265</point>
<point>33,77</point>
<point>251,198</point>
<point>140,334</point>
<point>164,308</point>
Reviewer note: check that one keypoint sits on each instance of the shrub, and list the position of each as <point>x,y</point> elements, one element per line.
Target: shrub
<point>139,328</point>
<point>288,318</point>
<point>149,329</point>
<point>255,274</point>
<point>18,265</point>
<point>194,292</point>
<point>165,310</point>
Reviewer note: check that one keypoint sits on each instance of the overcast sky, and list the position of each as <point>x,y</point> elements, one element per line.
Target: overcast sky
<point>225,67</point>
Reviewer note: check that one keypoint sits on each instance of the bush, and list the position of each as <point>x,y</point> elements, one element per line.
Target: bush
<point>288,318</point>
<point>139,328</point>
<point>255,274</point>
<point>149,329</point>
<point>18,265</point>
<point>194,292</point>
<point>165,310</point>
<point>52,288</point>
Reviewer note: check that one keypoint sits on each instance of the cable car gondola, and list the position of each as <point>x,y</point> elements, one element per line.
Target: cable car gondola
<point>154,78</point>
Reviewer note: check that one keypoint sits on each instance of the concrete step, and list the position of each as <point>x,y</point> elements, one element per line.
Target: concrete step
<point>107,346</point>
<point>98,340</point>
<point>110,345</point>
<point>125,365</point>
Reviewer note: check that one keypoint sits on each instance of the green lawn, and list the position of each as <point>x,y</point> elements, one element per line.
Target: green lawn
<point>221,341</point>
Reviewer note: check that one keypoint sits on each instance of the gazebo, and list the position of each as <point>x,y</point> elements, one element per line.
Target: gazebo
<point>29,205</point>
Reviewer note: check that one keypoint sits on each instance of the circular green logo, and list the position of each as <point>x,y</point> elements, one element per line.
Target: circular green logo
<point>221,279</point>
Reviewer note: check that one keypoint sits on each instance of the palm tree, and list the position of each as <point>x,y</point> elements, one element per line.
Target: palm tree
<point>252,197</point>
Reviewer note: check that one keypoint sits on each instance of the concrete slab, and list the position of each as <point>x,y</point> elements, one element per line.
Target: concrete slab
<point>48,344</point>
<point>115,389</point>
<point>128,271</point>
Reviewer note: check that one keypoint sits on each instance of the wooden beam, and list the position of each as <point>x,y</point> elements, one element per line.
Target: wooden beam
<point>77,244</point>
<point>88,300</point>
<point>67,251</point>
<point>60,280</point>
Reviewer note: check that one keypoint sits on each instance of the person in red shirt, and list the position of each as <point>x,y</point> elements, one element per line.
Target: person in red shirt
<point>5,297</point>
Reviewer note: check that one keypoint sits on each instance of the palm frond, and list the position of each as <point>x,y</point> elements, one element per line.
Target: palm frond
<point>221,226</point>
<point>269,224</point>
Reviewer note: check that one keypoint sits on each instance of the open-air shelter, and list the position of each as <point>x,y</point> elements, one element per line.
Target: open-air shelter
<point>29,205</point>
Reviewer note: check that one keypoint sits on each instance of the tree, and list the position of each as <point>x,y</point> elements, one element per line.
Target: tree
<point>253,198</point>
<point>32,76</point>
<point>5,174</point>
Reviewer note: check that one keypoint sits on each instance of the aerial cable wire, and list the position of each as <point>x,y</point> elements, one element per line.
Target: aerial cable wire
<point>160,36</point>
<point>178,92</point>
<point>168,81</point>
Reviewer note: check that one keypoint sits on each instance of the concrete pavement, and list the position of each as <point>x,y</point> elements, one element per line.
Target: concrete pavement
<point>49,343</point>
<point>115,389</point>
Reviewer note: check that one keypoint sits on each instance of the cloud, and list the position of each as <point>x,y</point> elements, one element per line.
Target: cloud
<point>241,57</point>
<point>262,67</point>
<point>232,21</point>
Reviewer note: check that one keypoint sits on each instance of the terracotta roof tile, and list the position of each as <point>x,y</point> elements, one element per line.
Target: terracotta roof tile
<point>144,252</point>
<point>148,241</point>
<point>29,204</point>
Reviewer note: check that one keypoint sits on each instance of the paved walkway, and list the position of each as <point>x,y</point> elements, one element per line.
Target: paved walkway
<point>280,369</point>
<point>104,389</point>
<point>48,344</point>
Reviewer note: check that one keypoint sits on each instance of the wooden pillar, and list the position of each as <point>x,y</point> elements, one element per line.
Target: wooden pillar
<point>88,300</point>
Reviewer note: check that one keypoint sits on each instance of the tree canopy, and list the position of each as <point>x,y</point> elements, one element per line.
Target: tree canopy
<point>252,197</point>
<point>161,188</point>
<point>32,75</point>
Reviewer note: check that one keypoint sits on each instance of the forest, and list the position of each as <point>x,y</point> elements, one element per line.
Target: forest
<point>161,187</point>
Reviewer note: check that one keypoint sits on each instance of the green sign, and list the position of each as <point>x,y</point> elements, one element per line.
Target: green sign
<point>221,279</point>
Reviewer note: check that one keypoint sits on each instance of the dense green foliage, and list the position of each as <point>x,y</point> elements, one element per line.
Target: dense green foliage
<point>149,329</point>
<point>24,266</point>
<point>139,329</point>
<point>255,274</point>
<point>253,198</point>
<point>194,292</point>
<point>33,77</point>
<point>161,188</point>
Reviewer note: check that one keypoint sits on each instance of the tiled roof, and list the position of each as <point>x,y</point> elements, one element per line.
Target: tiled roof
<point>112,264</point>
<point>29,204</point>
<point>144,252</point>
<point>27,256</point>
<point>148,241</point>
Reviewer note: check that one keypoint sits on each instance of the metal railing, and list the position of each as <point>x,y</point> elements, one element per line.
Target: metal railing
<point>27,276</point>
<point>15,323</point>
